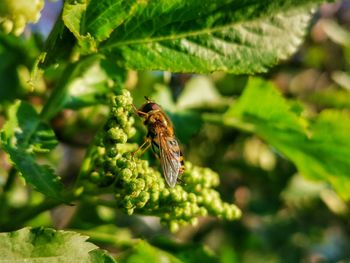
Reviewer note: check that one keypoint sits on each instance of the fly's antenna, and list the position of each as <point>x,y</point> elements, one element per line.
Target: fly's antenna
<point>148,99</point>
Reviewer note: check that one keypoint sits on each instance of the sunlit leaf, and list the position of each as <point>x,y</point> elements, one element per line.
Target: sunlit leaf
<point>320,149</point>
<point>191,36</point>
<point>199,91</point>
<point>48,245</point>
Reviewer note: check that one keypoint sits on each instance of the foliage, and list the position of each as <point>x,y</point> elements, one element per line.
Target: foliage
<point>24,135</point>
<point>42,244</point>
<point>262,151</point>
<point>316,153</point>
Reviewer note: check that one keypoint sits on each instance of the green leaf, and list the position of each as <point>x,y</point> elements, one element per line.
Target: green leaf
<point>23,135</point>
<point>186,252</point>
<point>101,256</point>
<point>99,13</point>
<point>73,16</point>
<point>228,255</point>
<point>199,92</point>
<point>144,252</point>
<point>59,45</point>
<point>84,83</point>
<point>191,36</point>
<point>15,54</point>
<point>48,245</point>
<point>320,149</point>
<point>196,254</point>
<point>262,102</point>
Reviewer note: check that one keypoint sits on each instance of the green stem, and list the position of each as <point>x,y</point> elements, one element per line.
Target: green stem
<point>86,164</point>
<point>60,94</point>
<point>25,214</point>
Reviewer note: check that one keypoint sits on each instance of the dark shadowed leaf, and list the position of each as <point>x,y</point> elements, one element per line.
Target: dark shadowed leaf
<point>22,136</point>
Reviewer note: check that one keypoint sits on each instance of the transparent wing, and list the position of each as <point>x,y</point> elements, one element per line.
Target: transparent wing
<point>170,159</point>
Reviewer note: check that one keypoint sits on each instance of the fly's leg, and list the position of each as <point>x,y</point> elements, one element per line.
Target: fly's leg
<point>147,143</point>
<point>138,112</point>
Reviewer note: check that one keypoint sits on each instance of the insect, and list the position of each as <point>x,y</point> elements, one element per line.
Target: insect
<point>162,139</point>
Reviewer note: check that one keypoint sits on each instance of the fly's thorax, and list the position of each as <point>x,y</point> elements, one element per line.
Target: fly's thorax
<point>159,119</point>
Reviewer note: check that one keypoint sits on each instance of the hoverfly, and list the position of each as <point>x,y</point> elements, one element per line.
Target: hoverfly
<point>162,139</point>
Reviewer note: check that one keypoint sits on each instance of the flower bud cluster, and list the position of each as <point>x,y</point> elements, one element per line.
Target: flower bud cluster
<point>14,15</point>
<point>141,189</point>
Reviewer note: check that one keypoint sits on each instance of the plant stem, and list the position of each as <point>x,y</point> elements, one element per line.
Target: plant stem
<point>29,213</point>
<point>60,94</point>
<point>25,214</point>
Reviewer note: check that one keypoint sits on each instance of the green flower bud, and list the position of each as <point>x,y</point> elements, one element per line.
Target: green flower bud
<point>130,211</point>
<point>101,150</point>
<point>95,177</point>
<point>165,193</point>
<point>122,163</point>
<point>109,164</point>
<point>143,199</point>
<point>191,197</point>
<point>155,197</point>
<point>177,212</point>
<point>128,204</point>
<point>112,151</point>
<point>175,195</point>
<point>126,174</point>
<point>14,15</point>
<point>202,211</point>
<point>117,134</point>
<point>142,189</point>
<point>194,221</point>
<point>141,184</point>
<point>174,227</point>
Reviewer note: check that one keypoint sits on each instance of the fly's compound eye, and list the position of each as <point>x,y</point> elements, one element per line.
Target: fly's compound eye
<point>149,107</point>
